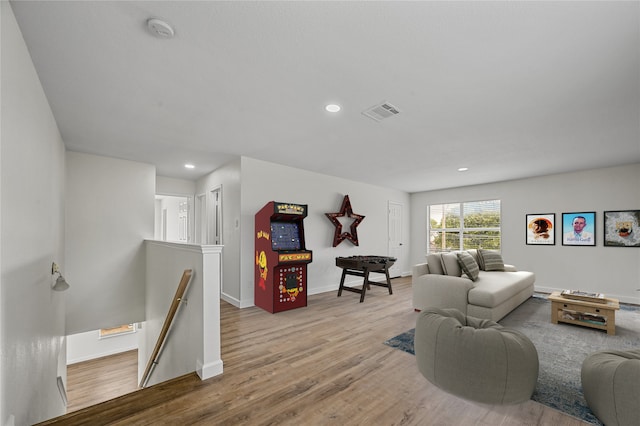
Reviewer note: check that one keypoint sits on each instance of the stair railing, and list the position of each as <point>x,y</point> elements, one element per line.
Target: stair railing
<point>153,360</point>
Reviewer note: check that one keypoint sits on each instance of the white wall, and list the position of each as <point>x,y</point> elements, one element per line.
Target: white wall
<point>172,186</point>
<point>193,342</point>
<point>228,179</point>
<point>263,182</point>
<point>614,271</point>
<point>89,345</point>
<point>109,214</point>
<point>32,237</point>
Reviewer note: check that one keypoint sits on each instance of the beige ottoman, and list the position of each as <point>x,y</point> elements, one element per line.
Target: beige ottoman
<point>611,386</point>
<point>474,358</point>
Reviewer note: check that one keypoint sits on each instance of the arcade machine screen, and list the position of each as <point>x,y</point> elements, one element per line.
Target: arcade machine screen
<point>285,236</point>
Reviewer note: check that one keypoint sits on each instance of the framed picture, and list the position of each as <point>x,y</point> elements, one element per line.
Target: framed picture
<point>541,229</point>
<point>622,228</point>
<point>579,229</point>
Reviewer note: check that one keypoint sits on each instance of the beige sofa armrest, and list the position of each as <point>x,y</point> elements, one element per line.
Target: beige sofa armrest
<point>420,269</point>
<point>441,291</point>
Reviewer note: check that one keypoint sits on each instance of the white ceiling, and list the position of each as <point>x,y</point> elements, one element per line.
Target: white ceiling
<point>508,89</point>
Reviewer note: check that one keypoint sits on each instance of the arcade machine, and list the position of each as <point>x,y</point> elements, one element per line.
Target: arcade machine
<point>281,257</point>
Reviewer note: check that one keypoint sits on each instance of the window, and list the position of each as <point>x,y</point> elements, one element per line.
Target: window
<point>116,331</point>
<point>462,226</point>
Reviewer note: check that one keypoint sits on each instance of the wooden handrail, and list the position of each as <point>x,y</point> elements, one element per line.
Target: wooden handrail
<point>153,360</point>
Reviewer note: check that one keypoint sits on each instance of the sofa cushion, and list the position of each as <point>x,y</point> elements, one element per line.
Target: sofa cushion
<point>493,288</point>
<point>468,265</point>
<point>491,260</point>
<point>435,264</point>
<point>450,264</point>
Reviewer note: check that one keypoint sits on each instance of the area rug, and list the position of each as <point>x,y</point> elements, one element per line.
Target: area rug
<point>561,350</point>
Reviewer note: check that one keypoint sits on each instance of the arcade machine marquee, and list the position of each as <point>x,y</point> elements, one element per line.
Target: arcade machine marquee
<point>281,257</point>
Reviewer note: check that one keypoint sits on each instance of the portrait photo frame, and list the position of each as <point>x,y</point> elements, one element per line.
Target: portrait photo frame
<point>622,228</point>
<point>579,229</point>
<point>541,229</point>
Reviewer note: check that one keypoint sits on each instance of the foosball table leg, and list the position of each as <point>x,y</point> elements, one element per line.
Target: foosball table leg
<point>365,285</point>
<point>386,273</point>
<point>344,274</point>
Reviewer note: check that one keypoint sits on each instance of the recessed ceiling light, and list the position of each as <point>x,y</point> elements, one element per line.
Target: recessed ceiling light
<point>332,108</point>
<point>463,169</point>
<point>189,166</point>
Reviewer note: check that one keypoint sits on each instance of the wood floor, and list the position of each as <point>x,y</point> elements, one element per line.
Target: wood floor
<point>101,379</point>
<point>325,364</point>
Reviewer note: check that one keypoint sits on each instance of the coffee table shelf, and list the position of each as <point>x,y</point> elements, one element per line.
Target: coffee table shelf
<point>607,311</point>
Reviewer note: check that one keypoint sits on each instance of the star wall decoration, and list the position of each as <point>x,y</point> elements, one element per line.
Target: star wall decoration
<point>347,211</point>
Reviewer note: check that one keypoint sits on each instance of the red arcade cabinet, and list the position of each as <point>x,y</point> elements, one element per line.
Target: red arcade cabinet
<point>281,258</point>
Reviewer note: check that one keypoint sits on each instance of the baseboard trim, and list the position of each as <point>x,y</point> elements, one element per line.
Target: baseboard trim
<point>209,370</point>
<point>232,300</point>
<point>101,354</point>
<point>357,283</point>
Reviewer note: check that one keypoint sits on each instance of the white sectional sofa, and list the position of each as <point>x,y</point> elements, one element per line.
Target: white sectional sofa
<point>444,282</point>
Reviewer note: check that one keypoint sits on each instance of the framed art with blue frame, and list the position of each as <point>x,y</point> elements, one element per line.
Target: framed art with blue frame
<point>579,229</point>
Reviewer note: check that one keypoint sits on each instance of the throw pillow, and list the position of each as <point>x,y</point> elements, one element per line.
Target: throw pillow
<point>469,265</point>
<point>435,264</point>
<point>491,259</point>
<point>474,254</point>
<point>480,260</point>
<point>450,264</point>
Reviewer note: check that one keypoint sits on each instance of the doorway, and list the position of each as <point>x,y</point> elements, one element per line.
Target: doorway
<point>215,217</point>
<point>172,218</point>
<point>395,236</point>
<point>208,217</point>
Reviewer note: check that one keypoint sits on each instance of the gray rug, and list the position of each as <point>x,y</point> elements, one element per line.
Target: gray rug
<point>561,350</point>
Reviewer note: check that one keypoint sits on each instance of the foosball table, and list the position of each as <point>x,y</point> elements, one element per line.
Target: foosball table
<point>362,266</point>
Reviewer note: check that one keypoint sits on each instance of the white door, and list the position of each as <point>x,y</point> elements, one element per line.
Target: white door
<point>215,217</point>
<point>395,236</point>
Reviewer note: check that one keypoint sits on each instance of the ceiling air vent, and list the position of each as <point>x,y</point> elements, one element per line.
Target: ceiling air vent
<point>381,111</point>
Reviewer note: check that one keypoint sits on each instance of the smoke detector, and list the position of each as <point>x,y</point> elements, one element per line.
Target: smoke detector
<point>381,111</point>
<point>159,28</point>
